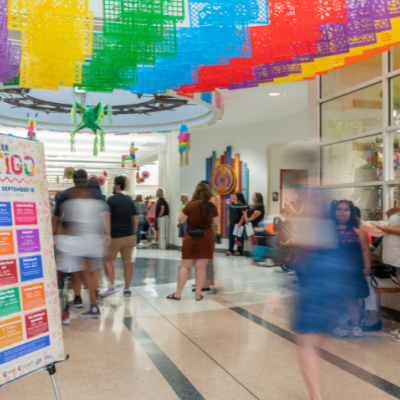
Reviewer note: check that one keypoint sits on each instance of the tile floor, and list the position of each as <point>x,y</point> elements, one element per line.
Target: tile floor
<point>235,344</point>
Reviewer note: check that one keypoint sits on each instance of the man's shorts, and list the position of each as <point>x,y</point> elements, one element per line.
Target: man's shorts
<point>123,245</point>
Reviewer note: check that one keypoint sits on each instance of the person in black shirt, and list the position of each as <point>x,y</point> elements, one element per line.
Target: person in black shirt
<point>236,216</point>
<point>124,223</point>
<point>256,212</point>
<point>162,211</point>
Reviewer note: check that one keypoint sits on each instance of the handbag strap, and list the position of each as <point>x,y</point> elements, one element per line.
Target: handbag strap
<point>208,213</point>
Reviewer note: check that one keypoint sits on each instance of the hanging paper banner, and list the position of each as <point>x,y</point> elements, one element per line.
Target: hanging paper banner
<point>30,325</point>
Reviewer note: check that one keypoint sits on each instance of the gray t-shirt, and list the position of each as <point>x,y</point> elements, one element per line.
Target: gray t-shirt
<point>142,210</point>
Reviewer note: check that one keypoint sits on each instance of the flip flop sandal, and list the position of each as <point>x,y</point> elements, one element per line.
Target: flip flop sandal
<point>201,298</point>
<point>228,253</point>
<point>357,332</point>
<point>396,338</point>
<point>396,332</point>
<point>340,332</point>
<point>172,297</point>
<point>237,254</point>
<point>203,290</point>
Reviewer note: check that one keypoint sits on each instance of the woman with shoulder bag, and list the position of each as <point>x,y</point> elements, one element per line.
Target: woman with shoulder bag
<point>210,264</point>
<point>198,247</point>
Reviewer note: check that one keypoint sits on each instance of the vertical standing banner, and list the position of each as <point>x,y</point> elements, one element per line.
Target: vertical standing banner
<point>30,325</point>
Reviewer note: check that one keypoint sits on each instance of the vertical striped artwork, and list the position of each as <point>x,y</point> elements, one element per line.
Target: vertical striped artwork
<point>240,173</point>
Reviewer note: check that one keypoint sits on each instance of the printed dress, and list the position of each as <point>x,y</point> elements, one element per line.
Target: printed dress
<point>350,276</point>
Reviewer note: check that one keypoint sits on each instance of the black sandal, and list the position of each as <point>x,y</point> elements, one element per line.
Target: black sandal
<point>172,297</point>
<point>201,298</point>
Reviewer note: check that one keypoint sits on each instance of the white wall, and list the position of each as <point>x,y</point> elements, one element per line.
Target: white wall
<point>146,190</point>
<point>250,141</point>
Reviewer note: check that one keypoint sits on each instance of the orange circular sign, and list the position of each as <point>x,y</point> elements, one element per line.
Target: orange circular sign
<point>223,179</point>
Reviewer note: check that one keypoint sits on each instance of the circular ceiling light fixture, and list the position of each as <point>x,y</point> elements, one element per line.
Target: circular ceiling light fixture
<point>152,103</point>
<point>274,94</point>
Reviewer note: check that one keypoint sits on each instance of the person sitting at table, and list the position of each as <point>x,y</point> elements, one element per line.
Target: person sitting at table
<point>296,207</point>
<point>391,257</point>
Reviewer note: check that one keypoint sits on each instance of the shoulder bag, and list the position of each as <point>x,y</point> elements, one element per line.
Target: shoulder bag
<point>200,232</point>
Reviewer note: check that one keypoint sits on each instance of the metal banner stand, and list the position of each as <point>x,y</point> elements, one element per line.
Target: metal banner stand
<point>51,369</point>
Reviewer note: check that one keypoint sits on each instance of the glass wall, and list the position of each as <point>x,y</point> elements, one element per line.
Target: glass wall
<point>354,113</point>
<point>353,161</point>
<point>343,78</point>
<point>360,133</point>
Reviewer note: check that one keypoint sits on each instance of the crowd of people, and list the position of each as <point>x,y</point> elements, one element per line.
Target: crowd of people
<point>333,252</point>
<point>338,267</point>
<point>90,231</point>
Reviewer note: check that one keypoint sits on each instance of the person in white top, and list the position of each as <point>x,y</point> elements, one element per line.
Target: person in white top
<point>390,256</point>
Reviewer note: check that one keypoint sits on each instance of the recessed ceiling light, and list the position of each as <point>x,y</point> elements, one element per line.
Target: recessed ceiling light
<point>274,94</point>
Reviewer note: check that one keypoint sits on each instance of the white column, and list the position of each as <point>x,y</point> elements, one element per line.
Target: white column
<point>163,169</point>
<point>172,188</point>
<point>130,189</point>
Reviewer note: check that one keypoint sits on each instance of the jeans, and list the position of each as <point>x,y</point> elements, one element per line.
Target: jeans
<point>232,240</point>
<point>139,233</point>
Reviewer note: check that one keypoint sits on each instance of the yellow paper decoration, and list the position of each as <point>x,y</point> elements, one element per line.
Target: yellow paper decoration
<point>55,38</point>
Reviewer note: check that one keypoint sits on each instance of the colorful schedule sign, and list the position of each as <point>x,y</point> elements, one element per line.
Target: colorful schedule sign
<point>30,326</point>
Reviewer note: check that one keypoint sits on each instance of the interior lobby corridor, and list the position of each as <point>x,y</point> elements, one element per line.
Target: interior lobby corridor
<point>235,344</point>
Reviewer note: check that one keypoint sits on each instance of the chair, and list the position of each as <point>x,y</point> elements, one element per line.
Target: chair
<point>378,291</point>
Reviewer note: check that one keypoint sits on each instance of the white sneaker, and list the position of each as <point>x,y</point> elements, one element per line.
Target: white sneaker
<point>140,244</point>
<point>290,273</point>
<point>108,292</point>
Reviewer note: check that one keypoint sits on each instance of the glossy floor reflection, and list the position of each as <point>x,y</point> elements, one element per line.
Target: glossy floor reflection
<point>235,344</point>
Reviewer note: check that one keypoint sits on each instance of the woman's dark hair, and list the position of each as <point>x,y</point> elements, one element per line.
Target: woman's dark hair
<point>119,180</point>
<point>56,196</point>
<point>354,221</point>
<point>93,183</point>
<point>202,193</point>
<point>260,200</point>
<point>240,198</point>
<point>139,198</point>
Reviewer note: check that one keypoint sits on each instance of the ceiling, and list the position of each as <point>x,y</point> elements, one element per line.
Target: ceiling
<point>59,156</point>
<point>255,105</point>
<point>131,112</point>
<point>242,107</point>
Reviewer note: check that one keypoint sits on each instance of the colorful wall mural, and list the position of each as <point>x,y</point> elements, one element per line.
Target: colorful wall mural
<point>227,175</point>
